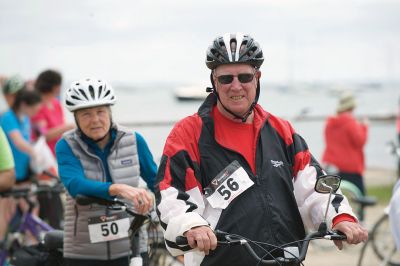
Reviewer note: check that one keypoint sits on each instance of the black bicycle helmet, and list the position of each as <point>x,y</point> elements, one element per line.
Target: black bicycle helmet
<point>223,51</point>
<point>234,48</point>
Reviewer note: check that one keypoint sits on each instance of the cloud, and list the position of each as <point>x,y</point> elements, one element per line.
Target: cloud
<point>140,41</point>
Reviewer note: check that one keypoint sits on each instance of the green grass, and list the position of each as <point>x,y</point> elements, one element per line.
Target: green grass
<point>382,193</point>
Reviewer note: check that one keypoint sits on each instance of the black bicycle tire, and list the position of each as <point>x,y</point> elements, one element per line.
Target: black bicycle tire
<point>363,249</point>
<point>375,248</point>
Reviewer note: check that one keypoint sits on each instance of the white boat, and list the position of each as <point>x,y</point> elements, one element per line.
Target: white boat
<point>191,93</point>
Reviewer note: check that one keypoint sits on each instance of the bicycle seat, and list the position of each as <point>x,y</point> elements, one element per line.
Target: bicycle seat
<point>365,201</point>
<point>54,240</point>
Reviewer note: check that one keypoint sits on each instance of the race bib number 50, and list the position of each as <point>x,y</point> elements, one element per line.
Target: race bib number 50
<point>107,228</point>
<point>227,185</point>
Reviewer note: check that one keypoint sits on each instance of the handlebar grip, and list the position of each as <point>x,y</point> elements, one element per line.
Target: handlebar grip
<point>337,235</point>
<point>85,200</point>
<point>181,241</point>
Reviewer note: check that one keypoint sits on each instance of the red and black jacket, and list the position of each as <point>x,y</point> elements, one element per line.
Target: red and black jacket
<point>269,211</point>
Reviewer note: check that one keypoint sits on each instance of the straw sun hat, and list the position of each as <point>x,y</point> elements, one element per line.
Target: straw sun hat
<point>346,102</point>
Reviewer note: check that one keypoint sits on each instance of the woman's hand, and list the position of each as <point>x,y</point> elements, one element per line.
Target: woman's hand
<point>141,198</point>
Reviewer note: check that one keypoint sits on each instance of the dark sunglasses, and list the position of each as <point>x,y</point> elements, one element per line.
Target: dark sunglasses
<point>243,78</point>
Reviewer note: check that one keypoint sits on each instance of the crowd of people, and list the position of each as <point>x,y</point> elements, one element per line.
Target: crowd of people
<point>261,187</point>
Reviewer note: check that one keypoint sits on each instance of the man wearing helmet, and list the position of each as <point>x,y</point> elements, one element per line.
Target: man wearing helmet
<point>233,166</point>
<point>100,159</point>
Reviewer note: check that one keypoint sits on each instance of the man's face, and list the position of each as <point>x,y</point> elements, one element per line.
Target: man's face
<point>95,122</point>
<point>239,94</point>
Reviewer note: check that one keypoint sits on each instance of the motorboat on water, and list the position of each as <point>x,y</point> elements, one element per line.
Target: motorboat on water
<point>191,93</point>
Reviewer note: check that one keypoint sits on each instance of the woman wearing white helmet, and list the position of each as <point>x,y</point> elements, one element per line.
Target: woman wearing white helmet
<point>100,159</point>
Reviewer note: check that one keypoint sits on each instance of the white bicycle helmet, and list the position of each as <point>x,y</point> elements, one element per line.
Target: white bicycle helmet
<point>89,92</point>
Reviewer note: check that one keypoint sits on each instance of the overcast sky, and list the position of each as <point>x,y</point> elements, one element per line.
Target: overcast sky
<point>145,41</point>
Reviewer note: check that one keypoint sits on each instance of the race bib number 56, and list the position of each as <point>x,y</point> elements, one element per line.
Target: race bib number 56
<point>227,185</point>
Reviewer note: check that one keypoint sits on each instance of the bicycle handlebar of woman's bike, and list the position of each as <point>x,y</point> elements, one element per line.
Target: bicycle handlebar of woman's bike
<point>115,204</point>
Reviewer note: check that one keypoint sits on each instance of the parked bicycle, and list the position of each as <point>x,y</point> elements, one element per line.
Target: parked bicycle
<point>28,225</point>
<point>381,236</point>
<point>357,200</point>
<point>292,254</point>
<point>157,252</point>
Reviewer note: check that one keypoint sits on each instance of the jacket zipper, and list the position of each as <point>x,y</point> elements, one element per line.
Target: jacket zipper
<point>256,177</point>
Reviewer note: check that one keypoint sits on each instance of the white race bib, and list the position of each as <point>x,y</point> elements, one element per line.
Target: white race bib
<point>227,185</point>
<point>107,228</point>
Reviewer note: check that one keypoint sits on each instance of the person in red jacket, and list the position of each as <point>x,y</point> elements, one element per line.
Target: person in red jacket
<point>345,139</point>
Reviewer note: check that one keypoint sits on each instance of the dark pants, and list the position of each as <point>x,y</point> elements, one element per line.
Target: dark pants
<point>51,209</point>
<point>355,179</point>
<point>117,262</point>
<point>358,181</point>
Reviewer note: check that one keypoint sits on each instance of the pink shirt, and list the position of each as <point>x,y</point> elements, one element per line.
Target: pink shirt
<point>49,116</point>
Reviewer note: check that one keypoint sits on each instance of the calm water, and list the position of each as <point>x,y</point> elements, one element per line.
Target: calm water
<point>159,104</point>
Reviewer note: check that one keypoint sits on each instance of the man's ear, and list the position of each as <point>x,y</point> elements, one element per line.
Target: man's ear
<point>258,74</point>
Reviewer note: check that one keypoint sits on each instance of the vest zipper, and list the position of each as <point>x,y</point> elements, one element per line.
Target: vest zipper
<point>108,242</point>
<point>76,219</point>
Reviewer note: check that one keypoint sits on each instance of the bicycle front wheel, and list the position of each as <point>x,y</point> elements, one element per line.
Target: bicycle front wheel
<point>383,243</point>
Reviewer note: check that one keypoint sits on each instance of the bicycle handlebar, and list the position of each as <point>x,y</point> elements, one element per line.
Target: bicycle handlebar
<point>24,192</point>
<point>86,200</point>
<point>230,240</point>
<point>137,222</point>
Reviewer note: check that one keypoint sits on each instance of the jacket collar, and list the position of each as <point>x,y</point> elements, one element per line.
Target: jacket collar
<point>260,115</point>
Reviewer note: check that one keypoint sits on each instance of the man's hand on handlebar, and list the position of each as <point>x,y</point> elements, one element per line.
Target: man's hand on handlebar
<point>141,198</point>
<point>354,231</point>
<point>202,238</point>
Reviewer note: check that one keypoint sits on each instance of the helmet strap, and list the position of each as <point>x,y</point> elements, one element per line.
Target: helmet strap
<point>248,112</point>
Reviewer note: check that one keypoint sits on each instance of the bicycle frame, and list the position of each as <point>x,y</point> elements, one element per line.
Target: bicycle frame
<point>30,222</point>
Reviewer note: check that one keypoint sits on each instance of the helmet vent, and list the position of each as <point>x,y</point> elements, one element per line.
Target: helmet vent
<point>87,93</point>
<point>91,90</point>
<point>83,93</point>
<point>234,48</point>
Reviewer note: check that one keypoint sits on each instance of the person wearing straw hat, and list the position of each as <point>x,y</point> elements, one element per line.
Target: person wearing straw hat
<point>345,138</point>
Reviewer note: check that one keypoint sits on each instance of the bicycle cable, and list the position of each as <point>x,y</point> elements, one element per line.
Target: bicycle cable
<point>258,245</point>
<point>268,253</point>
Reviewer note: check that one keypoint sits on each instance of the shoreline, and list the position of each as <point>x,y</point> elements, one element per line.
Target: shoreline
<point>376,176</point>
